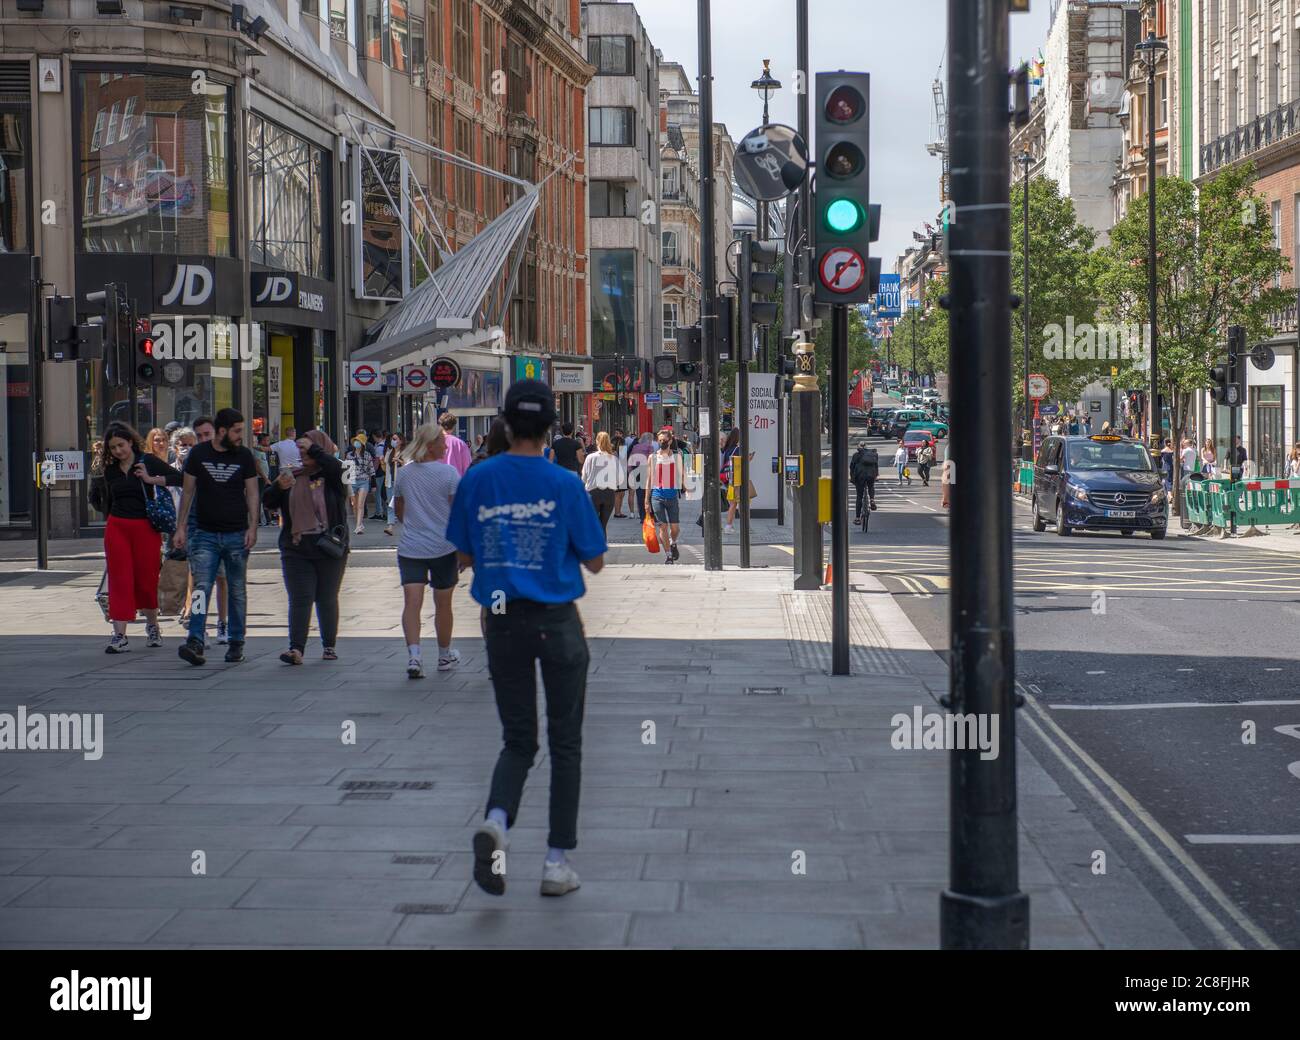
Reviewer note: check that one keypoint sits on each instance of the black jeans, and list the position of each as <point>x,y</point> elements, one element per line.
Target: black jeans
<point>525,633</point>
<point>924,467</point>
<point>312,580</point>
<point>869,485</point>
<point>603,500</point>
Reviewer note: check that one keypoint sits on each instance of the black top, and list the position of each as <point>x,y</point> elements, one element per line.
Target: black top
<point>276,497</point>
<point>219,495</point>
<point>124,493</point>
<point>566,453</point>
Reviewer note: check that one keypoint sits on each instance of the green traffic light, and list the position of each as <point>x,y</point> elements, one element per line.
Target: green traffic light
<point>843,216</point>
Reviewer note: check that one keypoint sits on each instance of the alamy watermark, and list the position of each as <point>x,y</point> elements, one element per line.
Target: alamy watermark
<point>37,731</point>
<point>1099,342</point>
<point>946,731</point>
<point>210,340</point>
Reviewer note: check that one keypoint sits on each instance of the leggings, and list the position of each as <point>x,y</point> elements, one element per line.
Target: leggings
<point>312,580</point>
<point>603,500</point>
<point>133,552</point>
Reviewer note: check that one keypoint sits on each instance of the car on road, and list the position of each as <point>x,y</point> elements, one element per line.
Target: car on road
<point>930,394</point>
<point>1101,482</point>
<point>913,439</point>
<point>913,401</point>
<point>878,420</point>
<point>858,416</point>
<point>902,419</point>
<point>938,430</point>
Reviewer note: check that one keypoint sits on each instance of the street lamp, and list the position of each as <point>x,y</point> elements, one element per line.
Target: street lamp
<point>1151,49</point>
<point>766,85</point>
<point>1025,159</point>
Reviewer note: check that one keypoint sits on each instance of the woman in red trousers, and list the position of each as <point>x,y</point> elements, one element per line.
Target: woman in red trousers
<point>132,547</point>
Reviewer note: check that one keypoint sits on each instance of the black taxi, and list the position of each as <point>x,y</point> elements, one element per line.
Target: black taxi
<point>1101,482</point>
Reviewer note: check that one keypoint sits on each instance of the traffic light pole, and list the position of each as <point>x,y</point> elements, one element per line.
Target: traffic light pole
<point>982,908</point>
<point>708,333</point>
<point>744,341</point>
<point>806,430</point>
<point>36,352</point>
<point>806,571</point>
<point>839,490</point>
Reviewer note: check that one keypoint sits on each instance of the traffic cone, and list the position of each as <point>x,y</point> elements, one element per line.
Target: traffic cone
<point>827,579</point>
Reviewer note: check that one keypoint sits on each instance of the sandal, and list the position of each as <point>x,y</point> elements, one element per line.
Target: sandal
<point>291,656</point>
<point>330,654</point>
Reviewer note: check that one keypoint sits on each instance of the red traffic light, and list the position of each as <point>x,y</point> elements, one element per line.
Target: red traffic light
<point>844,105</point>
<point>146,346</point>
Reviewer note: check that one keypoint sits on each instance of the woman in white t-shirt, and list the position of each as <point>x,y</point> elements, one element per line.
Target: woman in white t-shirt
<point>600,477</point>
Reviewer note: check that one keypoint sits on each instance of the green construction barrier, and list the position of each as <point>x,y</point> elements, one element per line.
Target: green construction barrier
<point>1259,502</point>
<point>1196,505</point>
<point>1023,473</point>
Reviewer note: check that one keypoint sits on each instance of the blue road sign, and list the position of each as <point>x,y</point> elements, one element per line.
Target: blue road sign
<point>887,298</point>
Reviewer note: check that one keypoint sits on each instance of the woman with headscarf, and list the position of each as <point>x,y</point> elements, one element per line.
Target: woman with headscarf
<point>313,502</point>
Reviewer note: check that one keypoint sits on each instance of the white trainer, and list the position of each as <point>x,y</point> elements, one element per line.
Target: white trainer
<point>559,879</point>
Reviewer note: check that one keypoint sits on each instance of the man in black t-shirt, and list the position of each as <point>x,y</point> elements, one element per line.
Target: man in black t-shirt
<point>221,486</point>
<point>566,451</point>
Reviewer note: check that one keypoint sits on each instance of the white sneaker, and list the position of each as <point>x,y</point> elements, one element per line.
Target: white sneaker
<point>559,879</point>
<point>223,633</point>
<point>489,839</point>
<point>154,634</point>
<point>449,660</point>
<point>118,645</point>
<point>730,529</point>
<point>415,668</point>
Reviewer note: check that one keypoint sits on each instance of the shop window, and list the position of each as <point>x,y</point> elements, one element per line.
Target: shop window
<point>613,302</point>
<point>16,488</point>
<point>162,184</point>
<point>287,195</point>
<point>15,216</point>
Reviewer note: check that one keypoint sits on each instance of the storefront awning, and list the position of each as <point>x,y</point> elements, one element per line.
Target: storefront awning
<point>447,303</point>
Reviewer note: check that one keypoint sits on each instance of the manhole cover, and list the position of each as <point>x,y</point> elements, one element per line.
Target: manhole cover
<point>764,691</point>
<point>431,860</point>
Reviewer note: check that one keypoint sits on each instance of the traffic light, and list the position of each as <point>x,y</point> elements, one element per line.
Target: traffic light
<point>785,365</point>
<point>665,368</point>
<point>689,348</point>
<point>148,370</point>
<point>61,328</point>
<point>724,325</point>
<point>1224,377</point>
<point>846,223</point>
<point>757,279</point>
<point>116,336</point>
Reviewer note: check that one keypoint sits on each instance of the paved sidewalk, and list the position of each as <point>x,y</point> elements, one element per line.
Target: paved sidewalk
<point>759,760</point>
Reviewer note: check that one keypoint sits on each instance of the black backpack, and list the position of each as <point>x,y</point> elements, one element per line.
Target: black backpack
<point>865,465</point>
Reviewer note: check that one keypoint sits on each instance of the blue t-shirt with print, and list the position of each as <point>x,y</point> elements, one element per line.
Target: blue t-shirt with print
<point>528,523</point>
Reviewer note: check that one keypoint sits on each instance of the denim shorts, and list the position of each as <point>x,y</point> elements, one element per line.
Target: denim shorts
<point>666,510</point>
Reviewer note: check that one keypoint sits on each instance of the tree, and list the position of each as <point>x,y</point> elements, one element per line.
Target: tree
<point>1215,267</point>
<point>1063,275</point>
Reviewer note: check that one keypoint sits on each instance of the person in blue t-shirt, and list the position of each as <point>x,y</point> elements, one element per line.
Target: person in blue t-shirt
<point>525,525</point>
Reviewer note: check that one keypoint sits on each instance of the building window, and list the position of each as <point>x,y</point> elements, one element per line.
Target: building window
<point>612,55</point>
<point>670,323</point>
<point>464,177</point>
<point>165,188</point>
<point>671,257</point>
<point>435,31</point>
<point>343,20</point>
<point>287,192</point>
<point>671,182</point>
<point>611,126</point>
<point>15,217</point>
<point>487,39</point>
<point>417,52</point>
<point>1275,218</point>
<point>613,302</point>
<point>1268,446</point>
<point>462,54</point>
<point>612,199</point>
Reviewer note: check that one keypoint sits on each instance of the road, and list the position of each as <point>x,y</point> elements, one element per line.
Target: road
<point>1163,693</point>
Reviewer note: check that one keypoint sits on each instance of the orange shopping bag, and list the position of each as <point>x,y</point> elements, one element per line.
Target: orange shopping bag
<point>648,534</point>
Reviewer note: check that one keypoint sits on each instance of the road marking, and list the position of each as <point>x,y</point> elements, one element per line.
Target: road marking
<point>785,548</point>
<point>1242,839</point>
<point>1272,669</point>
<point>1090,673</point>
<point>1212,922</point>
<point>1170,704</point>
<point>1186,669</point>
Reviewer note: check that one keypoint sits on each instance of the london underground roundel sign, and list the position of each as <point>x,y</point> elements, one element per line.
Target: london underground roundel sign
<point>842,270</point>
<point>365,375</point>
<point>417,378</point>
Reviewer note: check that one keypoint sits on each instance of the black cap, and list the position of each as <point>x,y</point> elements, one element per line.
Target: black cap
<point>530,397</point>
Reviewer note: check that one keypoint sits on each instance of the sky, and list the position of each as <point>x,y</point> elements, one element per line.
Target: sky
<point>900,42</point>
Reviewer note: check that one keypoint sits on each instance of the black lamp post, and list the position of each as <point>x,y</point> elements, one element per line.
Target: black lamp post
<point>1151,49</point>
<point>1025,159</point>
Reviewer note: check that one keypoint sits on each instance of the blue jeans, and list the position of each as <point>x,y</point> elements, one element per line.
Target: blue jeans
<point>209,550</point>
<point>380,499</point>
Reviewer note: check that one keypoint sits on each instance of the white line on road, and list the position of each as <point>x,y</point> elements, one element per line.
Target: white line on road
<point>1242,839</point>
<point>1211,921</point>
<point>1169,704</point>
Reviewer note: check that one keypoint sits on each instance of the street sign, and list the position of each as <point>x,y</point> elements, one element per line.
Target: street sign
<point>415,378</point>
<point>363,376</point>
<point>887,298</point>
<point>771,162</point>
<point>670,398</point>
<point>1049,409</point>
<point>68,465</point>
<point>842,270</point>
<point>444,372</point>
<point>651,398</point>
<point>1039,386</point>
<point>1232,395</point>
<point>1262,356</point>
